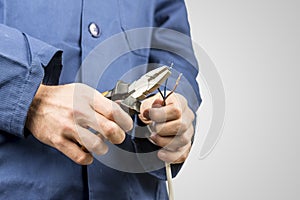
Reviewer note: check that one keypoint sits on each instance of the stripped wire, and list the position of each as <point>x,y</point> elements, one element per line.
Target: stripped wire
<point>175,86</point>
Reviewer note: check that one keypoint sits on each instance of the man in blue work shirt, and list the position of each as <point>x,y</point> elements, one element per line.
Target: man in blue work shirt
<point>47,143</point>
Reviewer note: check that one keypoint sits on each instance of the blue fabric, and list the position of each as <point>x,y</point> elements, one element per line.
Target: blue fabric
<point>37,38</point>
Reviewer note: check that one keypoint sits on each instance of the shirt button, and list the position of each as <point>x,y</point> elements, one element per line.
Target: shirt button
<point>94,30</point>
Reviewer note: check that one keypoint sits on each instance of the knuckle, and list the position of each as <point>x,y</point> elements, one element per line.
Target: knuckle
<point>182,127</point>
<point>77,113</point>
<point>69,113</point>
<point>178,127</point>
<point>70,116</point>
<point>192,115</point>
<point>184,139</point>
<point>182,158</point>
<point>67,127</point>
<point>110,129</point>
<point>110,113</point>
<point>58,141</point>
<point>176,112</point>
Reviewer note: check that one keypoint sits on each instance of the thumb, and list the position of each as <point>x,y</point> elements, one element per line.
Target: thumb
<point>158,103</point>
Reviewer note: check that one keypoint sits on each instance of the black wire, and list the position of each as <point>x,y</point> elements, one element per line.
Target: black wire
<point>161,94</point>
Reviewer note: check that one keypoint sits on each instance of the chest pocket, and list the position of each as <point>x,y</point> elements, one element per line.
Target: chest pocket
<point>136,18</point>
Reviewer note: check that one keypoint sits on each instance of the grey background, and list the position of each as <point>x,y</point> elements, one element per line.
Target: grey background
<point>255,46</point>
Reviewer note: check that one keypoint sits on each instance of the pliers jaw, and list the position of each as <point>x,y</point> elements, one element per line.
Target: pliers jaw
<point>130,95</point>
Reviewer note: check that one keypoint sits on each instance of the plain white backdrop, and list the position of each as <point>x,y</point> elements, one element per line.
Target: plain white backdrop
<point>255,46</point>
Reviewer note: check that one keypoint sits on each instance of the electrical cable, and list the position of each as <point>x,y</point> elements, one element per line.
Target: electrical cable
<point>168,165</point>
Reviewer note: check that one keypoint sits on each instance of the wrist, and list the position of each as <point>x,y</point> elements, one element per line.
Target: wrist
<point>34,106</point>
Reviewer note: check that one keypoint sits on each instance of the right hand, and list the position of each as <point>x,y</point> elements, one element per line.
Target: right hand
<point>60,116</point>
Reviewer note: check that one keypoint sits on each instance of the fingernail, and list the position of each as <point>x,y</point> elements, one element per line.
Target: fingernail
<point>103,149</point>
<point>90,160</point>
<point>161,154</point>
<point>146,114</point>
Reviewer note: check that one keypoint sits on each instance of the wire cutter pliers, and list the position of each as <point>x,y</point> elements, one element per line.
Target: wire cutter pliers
<point>131,94</point>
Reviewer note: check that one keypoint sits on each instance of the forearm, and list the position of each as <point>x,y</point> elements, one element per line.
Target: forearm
<point>22,62</point>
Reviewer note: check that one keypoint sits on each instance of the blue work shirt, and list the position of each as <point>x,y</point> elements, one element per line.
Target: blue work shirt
<point>46,42</point>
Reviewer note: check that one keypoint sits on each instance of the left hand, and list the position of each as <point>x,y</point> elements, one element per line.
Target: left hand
<point>171,126</point>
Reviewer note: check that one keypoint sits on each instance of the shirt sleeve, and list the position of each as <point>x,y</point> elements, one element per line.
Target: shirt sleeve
<point>172,45</point>
<point>25,63</point>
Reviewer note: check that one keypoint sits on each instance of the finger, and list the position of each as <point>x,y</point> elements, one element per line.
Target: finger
<point>107,128</point>
<point>173,143</point>
<point>148,103</point>
<point>174,157</point>
<point>158,103</point>
<point>112,111</point>
<point>175,127</point>
<point>91,141</point>
<point>163,114</point>
<point>174,106</point>
<point>145,109</point>
<point>73,151</point>
<point>171,109</point>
